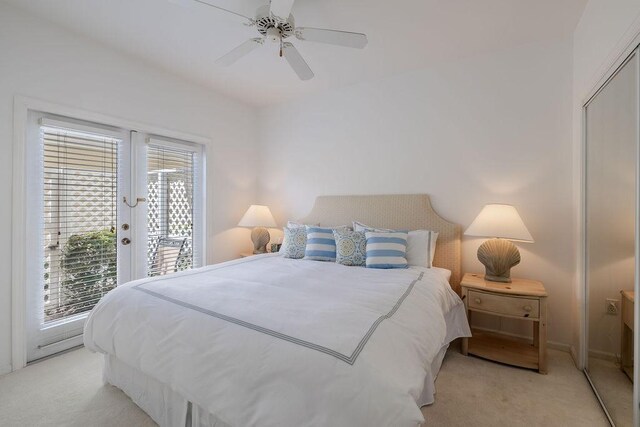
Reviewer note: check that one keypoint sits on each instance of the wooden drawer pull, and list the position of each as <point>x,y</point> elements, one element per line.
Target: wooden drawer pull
<point>527,308</point>
<point>478,301</point>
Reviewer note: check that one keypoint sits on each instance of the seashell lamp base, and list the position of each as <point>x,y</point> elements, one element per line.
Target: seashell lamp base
<point>260,237</point>
<point>498,257</point>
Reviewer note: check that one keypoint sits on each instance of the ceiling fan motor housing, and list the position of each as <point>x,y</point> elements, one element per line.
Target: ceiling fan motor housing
<point>273,27</point>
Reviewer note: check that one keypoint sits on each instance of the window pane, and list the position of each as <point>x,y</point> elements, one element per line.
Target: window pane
<point>79,220</point>
<point>170,180</point>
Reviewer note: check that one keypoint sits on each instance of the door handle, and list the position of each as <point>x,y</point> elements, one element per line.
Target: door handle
<point>126,241</point>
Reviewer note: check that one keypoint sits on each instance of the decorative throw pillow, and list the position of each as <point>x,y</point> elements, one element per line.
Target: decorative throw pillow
<point>351,247</point>
<point>296,242</point>
<point>321,246</point>
<point>290,224</point>
<point>421,244</point>
<point>386,249</point>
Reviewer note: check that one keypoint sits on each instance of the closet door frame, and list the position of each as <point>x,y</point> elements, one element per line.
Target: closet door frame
<point>633,55</point>
<point>21,107</point>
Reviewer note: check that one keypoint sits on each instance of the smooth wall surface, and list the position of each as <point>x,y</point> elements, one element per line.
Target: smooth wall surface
<point>491,128</point>
<point>44,62</point>
<point>603,32</point>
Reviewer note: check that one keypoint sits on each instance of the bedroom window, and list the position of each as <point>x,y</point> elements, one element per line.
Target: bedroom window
<point>107,205</point>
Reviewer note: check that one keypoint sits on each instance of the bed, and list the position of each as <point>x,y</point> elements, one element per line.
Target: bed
<point>272,341</point>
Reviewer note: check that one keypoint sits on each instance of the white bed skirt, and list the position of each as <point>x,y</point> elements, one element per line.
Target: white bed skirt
<point>169,408</point>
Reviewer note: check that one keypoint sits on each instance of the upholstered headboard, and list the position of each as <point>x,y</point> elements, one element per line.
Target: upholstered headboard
<point>402,211</point>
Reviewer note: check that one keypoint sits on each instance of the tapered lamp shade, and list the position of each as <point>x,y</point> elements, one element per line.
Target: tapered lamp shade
<point>499,255</point>
<point>259,217</point>
<point>502,221</point>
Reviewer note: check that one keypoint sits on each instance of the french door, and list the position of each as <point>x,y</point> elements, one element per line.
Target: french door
<point>105,206</point>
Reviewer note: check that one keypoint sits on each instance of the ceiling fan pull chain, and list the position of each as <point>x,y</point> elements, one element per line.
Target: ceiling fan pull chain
<point>281,48</point>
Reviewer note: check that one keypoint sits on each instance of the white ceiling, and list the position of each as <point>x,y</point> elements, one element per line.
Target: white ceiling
<point>403,35</point>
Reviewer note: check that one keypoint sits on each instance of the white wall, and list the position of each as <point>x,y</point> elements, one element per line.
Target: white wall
<point>493,128</point>
<point>606,29</point>
<point>42,61</point>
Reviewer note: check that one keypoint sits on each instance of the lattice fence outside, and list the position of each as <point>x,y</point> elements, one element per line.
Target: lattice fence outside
<point>153,207</point>
<point>180,208</point>
<point>169,216</point>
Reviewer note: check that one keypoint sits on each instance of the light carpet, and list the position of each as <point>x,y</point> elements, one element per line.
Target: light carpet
<point>615,389</point>
<point>67,390</point>
<point>475,392</point>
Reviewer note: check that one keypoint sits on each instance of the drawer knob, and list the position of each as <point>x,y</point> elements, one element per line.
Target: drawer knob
<point>478,301</point>
<point>527,308</point>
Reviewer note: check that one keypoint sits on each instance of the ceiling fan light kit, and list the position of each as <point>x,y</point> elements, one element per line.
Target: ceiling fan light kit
<point>271,26</point>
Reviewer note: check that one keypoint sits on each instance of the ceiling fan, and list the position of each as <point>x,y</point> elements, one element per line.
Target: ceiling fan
<point>275,23</point>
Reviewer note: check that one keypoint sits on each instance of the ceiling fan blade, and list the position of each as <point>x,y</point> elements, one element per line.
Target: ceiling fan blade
<point>281,8</point>
<point>240,51</point>
<point>297,62</point>
<point>340,38</point>
<point>188,3</point>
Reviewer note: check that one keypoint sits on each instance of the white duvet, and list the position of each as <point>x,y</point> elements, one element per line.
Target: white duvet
<point>272,341</point>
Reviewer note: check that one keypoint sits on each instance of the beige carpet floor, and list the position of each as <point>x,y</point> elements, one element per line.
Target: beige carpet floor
<point>475,392</point>
<point>67,390</point>
<point>615,389</point>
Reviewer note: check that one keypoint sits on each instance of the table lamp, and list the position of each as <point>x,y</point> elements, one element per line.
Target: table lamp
<point>258,217</point>
<point>499,254</point>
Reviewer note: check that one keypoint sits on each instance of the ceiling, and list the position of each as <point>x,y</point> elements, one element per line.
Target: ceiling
<point>403,35</point>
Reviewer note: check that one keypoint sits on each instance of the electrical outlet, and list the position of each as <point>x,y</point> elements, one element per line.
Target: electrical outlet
<point>612,306</point>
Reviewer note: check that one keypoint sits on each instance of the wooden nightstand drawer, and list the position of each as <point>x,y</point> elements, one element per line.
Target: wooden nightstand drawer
<point>503,304</point>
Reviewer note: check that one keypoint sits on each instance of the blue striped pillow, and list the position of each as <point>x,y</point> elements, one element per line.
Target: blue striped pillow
<point>321,245</point>
<point>386,250</point>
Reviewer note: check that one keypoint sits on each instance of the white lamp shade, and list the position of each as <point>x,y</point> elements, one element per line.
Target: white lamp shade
<point>503,221</point>
<point>257,216</point>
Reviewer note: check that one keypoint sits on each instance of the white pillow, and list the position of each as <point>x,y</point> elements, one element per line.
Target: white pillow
<point>293,224</point>
<point>358,226</point>
<point>421,244</point>
<point>421,247</point>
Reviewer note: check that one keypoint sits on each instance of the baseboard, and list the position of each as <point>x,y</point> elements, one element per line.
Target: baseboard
<point>550,344</point>
<point>604,355</point>
<point>559,346</point>
<point>574,356</point>
<point>5,369</point>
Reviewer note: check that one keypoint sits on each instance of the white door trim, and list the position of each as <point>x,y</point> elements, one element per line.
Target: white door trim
<point>627,44</point>
<point>21,106</point>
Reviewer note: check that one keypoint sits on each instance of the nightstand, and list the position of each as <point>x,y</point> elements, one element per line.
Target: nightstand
<point>626,342</point>
<point>520,299</point>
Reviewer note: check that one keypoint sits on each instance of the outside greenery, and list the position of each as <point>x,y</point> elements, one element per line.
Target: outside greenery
<point>89,270</point>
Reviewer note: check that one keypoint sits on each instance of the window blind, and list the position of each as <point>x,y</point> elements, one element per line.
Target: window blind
<point>171,180</point>
<point>79,220</point>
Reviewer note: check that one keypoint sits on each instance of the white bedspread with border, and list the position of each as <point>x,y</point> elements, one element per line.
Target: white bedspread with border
<point>272,341</point>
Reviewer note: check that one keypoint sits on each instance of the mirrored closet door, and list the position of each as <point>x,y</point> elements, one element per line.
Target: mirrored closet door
<point>611,159</point>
